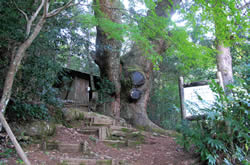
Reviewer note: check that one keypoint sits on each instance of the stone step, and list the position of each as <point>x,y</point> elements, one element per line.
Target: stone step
<point>92,118</point>
<point>79,161</point>
<point>89,131</point>
<point>115,143</point>
<point>101,132</point>
<point>70,148</point>
<point>102,121</point>
<point>120,143</point>
<point>65,148</point>
<point>96,121</point>
<point>118,133</point>
<point>121,128</point>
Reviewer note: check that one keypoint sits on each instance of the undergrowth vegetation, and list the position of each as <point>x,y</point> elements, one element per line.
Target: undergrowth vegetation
<point>223,138</point>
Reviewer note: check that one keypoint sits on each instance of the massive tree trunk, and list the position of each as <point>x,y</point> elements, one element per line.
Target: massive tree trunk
<point>135,110</point>
<point>134,103</point>
<point>108,52</point>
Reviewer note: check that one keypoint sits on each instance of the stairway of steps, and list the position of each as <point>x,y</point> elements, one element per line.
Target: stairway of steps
<point>100,128</point>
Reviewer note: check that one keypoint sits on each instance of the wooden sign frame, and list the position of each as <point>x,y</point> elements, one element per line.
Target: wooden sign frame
<point>193,84</point>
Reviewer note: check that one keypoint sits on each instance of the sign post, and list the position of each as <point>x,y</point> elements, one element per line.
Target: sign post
<point>181,93</point>
<point>191,92</point>
<point>196,96</point>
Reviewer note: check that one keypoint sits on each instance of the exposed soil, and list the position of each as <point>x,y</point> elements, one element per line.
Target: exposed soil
<point>156,150</point>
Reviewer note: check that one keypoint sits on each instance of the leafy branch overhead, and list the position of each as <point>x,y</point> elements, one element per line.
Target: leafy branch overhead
<point>141,29</point>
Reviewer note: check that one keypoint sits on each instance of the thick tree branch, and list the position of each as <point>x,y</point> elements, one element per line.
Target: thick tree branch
<point>45,8</point>
<point>58,10</point>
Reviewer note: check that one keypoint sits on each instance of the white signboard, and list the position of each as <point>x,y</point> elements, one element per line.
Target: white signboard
<point>197,98</point>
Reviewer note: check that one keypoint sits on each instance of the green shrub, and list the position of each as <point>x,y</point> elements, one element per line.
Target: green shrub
<point>223,138</point>
<point>105,91</point>
<point>25,111</point>
<point>33,89</point>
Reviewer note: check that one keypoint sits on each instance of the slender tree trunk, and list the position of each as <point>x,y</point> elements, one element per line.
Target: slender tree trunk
<point>108,52</point>
<point>16,62</point>
<point>14,66</point>
<point>224,64</point>
<point>18,55</point>
<point>13,139</point>
<point>224,59</point>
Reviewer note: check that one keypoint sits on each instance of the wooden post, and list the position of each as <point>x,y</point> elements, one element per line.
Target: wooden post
<point>183,110</point>
<point>181,93</point>
<point>13,139</point>
<point>219,77</point>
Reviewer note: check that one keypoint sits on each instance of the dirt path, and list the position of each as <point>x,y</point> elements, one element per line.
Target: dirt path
<point>156,150</point>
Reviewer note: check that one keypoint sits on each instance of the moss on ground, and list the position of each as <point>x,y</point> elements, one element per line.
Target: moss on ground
<point>104,162</point>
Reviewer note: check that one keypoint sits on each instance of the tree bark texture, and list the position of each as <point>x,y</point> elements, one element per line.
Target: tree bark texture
<point>93,100</point>
<point>135,112</point>
<point>135,60</point>
<point>224,59</point>
<point>108,52</point>
<point>224,64</point>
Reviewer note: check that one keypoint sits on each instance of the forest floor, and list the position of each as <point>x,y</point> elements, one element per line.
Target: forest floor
<point>155,150</point>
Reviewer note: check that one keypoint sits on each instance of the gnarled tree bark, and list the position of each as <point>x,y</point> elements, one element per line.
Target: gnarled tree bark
<point>108,52</point>
<point>108,59</point>
<point>136,111</point>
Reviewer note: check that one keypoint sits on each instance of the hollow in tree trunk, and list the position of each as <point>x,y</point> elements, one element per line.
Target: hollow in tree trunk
<point>135,111</point>
<point>132,109</point>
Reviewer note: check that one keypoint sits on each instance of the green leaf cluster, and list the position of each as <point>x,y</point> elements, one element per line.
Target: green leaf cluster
<point>222,19</point>
<point>105,91</point>
<point>190,54</point>
<point>33,91</point>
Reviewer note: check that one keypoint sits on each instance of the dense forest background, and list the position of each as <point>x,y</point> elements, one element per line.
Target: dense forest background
<point>161,39</point>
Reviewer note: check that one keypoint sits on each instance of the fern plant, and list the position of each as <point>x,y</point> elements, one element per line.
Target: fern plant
<point>223,137</point>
